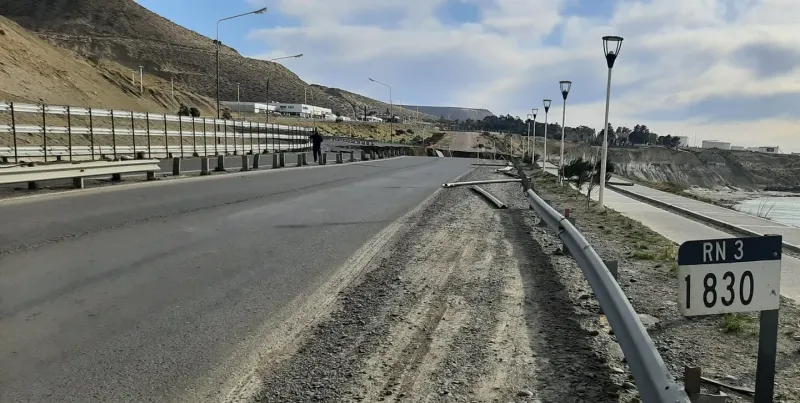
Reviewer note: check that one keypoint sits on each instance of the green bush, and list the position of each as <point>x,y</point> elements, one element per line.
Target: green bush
<point>194,112</point>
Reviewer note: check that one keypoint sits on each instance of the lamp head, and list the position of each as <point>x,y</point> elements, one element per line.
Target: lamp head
<point>565,87</point>
<point>535,112</point>
<point>611,47</point>
<point>547,103</point>
<point>261,11</point>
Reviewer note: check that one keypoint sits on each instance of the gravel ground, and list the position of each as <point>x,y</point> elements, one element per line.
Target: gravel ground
<point>724,346</point>
<point>465,306</point>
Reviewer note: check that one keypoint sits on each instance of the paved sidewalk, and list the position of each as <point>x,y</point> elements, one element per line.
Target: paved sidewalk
<point>680,229</point>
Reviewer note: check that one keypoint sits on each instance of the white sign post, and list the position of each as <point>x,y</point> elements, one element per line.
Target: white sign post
<point>718,276</point>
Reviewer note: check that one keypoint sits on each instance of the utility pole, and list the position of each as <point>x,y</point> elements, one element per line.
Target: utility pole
<point>141,80</point>
<point>172,85</point>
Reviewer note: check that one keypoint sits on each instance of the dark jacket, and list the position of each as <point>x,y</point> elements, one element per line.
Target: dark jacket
<point>316,139</point>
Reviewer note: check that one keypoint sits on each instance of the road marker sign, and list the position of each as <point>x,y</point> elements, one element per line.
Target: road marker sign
<point>718,276</point>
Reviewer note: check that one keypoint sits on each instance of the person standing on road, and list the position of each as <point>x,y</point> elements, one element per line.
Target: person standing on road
<point>316,141</point>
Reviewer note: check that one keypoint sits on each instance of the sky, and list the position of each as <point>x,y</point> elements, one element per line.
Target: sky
<point>708,69</point>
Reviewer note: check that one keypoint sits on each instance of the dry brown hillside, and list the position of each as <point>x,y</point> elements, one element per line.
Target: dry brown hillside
<point>33,71</point>
<point>129,34</point>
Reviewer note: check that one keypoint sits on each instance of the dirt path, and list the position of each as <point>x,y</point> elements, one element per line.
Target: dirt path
<point>465,306</point>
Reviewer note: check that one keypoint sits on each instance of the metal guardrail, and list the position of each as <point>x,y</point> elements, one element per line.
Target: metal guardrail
<point>126,126</point>
<point>20,174</point>
<point>653,379</point>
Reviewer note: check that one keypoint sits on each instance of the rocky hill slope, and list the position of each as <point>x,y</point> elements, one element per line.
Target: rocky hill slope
<point>129,34</point>
<point>707,168</point>
<point>33,71</point>
<point>451,112</point>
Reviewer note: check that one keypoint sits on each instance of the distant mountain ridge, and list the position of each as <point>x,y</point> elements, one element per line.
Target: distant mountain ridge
<point>133,36</point>
<point>451,112</point>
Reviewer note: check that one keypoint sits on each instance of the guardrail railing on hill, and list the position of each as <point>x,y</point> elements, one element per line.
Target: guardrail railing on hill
<point>653,379</point>
<point>87,133</point>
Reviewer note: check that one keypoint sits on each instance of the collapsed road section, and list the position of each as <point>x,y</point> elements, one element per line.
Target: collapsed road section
<point>464,306</point>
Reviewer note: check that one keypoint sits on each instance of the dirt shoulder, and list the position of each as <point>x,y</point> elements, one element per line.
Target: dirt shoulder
<point>466,305</point>
<point>724,346</point>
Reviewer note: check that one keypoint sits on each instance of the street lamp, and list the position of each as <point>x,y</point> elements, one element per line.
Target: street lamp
<point>391,108</point>
<point>272,60</point>
<point>565,87</point>
<point>260,11</point>
<point>532,148</point>
<point>611,47</point>
<point>527,143</point>
<point>547,103</point>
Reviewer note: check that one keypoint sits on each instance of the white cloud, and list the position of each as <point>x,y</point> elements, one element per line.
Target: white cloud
<point>686,65</point>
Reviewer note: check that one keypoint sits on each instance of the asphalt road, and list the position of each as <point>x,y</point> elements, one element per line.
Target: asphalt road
<point>143,293</point>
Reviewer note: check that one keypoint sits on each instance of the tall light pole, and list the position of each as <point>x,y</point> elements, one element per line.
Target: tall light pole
<point>259,11</point>
<point>273,60</point>
<point>546,103</point>
<point>565,87</point>
<point>391,109</point>
<point>528,139</point>
<point>141,80</point>
<point>532,149</point>
<point>611,47</point>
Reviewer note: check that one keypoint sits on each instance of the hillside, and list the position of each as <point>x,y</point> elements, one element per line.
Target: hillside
<point>33,71</point>
<point>129,34</point>
<point>359,101</point>
<point>707,168</point>
<point>451,112</point>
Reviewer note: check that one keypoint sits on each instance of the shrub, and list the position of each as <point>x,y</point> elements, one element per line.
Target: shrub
<point>194,112</point>
<point>226,114</point>
<point>410,131</point>
<point>183,110</point>
<point>399,132</point>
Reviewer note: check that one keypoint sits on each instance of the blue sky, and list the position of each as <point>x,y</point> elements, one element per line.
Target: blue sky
<point>725,69</point>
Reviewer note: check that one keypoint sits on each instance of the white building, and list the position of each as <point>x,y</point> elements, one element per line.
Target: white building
<point>737,148</point>
<point>768,150</point>
<point>683,141</point>
<point>372,119</point>
<point>302,110</point>
<point>248,107</point>
<point>722,145</point>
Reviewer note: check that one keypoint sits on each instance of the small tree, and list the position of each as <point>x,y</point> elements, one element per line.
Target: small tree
<point>226,114</point>
<point>183,110</point>
<point>194,112</point>
<point>586,173</point>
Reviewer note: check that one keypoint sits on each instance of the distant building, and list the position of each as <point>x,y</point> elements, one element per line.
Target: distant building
<point>248,107</point>
<point>302,110</point>
<point>372,119</point>
<point>737,148</point>
<point>768,150</point>
<point>683,142</point>
<point>722,145</point>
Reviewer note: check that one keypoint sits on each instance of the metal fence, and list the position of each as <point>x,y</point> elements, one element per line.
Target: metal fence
<point>653,379</point>
<point>54,132</point>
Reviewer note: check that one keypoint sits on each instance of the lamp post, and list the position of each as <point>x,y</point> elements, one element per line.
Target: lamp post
<point>527,143</point>
<point>259,11</point>
<point>273,60</point>
<point>565,87</point>
<point>546,103</point>
<point>611,47</point>
<point>391,109</point>
<point>532,149</point>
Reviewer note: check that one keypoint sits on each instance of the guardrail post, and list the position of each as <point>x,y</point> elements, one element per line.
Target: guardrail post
<point>116,177</point>
<point>372,154</point>
<point>32,185</point>
<point>69,131</point>
<point>352,156</point>
<point>275,161</point>
<point>364,156</point>
<point>77,183</point>
<point>613,267</point>
<point>256,160</point>
<point>305,159</point>
<point>282,159</point>
<point>323,159</point>
<point>245,162</point>
<point>300,159</point>
<point>133,135</point>
<point>204,166</point>
<point>194,139</point>
<point>14,131</point>
<point>151,175</point>
<point>339,158</point>
<point>220,164</point>
<point>149,147</point>
<point>44,131</point>
<point>564,247</point>
<point>176,166</point>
